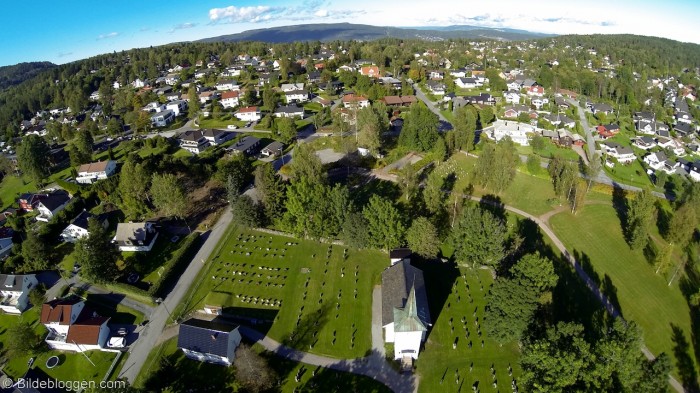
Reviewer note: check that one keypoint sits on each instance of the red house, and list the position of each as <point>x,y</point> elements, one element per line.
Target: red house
<point>608,130</point>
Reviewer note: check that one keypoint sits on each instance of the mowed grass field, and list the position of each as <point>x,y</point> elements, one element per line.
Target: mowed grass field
<point>440,365</point>
<point>317,296</point>
<point>626,276</point>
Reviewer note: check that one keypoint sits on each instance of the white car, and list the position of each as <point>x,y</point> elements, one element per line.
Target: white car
<point>231,126</point>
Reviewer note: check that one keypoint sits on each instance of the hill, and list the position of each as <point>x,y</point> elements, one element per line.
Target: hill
<point>349,31</point>
<point>18,73</point>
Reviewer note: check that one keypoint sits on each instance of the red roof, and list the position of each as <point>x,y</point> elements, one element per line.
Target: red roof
<point>353,98</point>
<point>248,109</point>
<point>229,94</point>
<point>370,71</point>
<point>58,311</point>
<point>87,331</point>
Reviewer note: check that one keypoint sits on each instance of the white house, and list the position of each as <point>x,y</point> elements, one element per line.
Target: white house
<point>78,228</point>
<point>694,171</point>
<point>675,146</point>
<point>228,85</point>
<point>162,119</point>
<point>178,107</point>
<point>512,97</point>
<point>138,83</point>
<point>644,142</point>
<point>209,341</point>
<point>535,91</point>
<point>289,111</point>
<point>517,132</point>
<point>249,113</point>
<point>539,102</point>
<point>623,154</point>
<point>655,160</point>
<point>351,100</point>
<point>14,292</point>
<point>94,171</point>
<point>466,83</point>
<point>73,327</point>
<point>514,85</point>
<point>135,236</point>
<point>285,87</point>
<point>229,99</point>
<point>52,204</point>
<point>296,96</point>
<point>405,314</point>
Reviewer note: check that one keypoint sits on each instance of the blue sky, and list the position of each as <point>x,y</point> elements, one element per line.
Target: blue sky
<point>64,31</point>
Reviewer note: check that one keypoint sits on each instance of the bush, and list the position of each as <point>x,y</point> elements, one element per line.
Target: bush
<point>176,264</point>
<point>72,188</point>
<point>130,291</point>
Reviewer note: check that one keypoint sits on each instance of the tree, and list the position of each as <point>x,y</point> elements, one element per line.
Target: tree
<point>6,166</point>
<point>37,295</point>
<point>486,116</point>
<point>81,150</point>
<point>133,186</point>
<point>479,238</point>
<point>464,128</point>
<point>537,142</point>
<point>682,225</point>
<point>33,156</point>
<point>315,209</point>
<point>234,170</point>
<point>564,175</point>
<point>369,128</point>
<point>432,193</point>
<point>36,252</point>
<point>305,163</point>
<point>662,259</point>
<point>270,98</point>
<point>354,231</point>
<point>24,340</point>
<point>408,181</point>
<point>422,238</point>
<point>384,223</point>
<point>640,215</point>
<point>252,371</point>
<point>193,106</point>
<point>168,196</point>
<point>533,164</point>
<point>419,130</point>
<point>286,129</point>
<point>245,211</point>
<point>271,190</point>
<point>496,167</point>
<point>96,254</point>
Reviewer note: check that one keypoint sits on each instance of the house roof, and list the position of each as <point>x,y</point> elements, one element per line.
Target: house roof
<point>210,337</point>
<point>289,109</point>
<point>245,143</point>
<point>229,94</point>
<point>191,135</point>
<point>55,200</point>
<point>82,219</point>
<point>12,282</point>
<point>248,109</point>
<point>407,319</point>
<point>131,231</point>
<point>86,331</point>
<point>98,166</point>
<point>274,146</point>
<point>400,253</point>
<point>58,310</point>
<point>353,98</point>
<point>397,282</point>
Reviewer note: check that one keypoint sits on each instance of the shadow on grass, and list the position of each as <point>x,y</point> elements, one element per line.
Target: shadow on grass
<point>684,361</point>
<point>106,306</point>
<point>494,204</point>
<point>689,285</point>
<point>178,374</point>
<point>439,279</point>
<point>305,334</point>
<point>257,318</point>
<point>619,201</point>
<point>387,189</point>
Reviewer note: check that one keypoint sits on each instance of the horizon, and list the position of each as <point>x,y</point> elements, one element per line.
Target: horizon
<point>105,28</point>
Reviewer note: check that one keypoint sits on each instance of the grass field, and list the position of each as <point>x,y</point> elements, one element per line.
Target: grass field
<point>317,296</point>
<point>185,373</point>
<point>595,237</point>
<point>472,365</point>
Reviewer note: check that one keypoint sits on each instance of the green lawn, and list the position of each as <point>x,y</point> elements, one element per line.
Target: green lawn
<point>439,357</point>
<point>221,123</point>
<point>633,174</point>
<point>626,276</point>
<point>218,378</point>
<point>308,272</point>
<point>550,151</point>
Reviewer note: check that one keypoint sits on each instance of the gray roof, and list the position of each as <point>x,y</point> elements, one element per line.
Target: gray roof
<point>397,282</point>
<point>12,282</point>
<point>210,337</point>
<point>245,143</point>
<point>289,109</point>
<point>133,232</point>
<point>274,146</point>
<point>55,200</point>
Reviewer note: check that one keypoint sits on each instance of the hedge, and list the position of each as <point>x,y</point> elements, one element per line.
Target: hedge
<point>176,264</point>
<point>130,291</point>
<point>72,188</point>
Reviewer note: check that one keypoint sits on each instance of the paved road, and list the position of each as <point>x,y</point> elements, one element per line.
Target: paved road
<point>147,339</point>
<point>586,127</point>
<point>373,366</point>
<point>377,336</point>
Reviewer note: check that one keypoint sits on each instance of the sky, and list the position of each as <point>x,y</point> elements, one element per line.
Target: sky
<point>65,31</point>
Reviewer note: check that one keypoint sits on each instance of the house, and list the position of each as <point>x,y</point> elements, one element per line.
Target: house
<point>675,146</point>
<point>351,100</point>
<point>539,102</point>
<point>694,171</point>
<point>370,71</point>
<point>171,97</point>
<point>162,119</point>
<point>466,83</point>
<point>289,111</point>
<point>390,82</point>
<point>227,85</point>
<point>644,142</point>
<point>623,154</point>
<point>655,160</point>
<point>601,108</point>
<point>683,117</point>
<point>561,102</point>
<point>274,149</point>
<point>209,341</point>
<point>52,204</point>
<point>193,141</point>
<point>535,91</point>
<point>135,236</point>
<point>92,172</point>
<point>314,77</point>
<point>514,86</point>
<point>559,119</point>
<point>517,132</point>
<point>207,96</point>
<point>177,107</point>
<point>608,130</point>
<point>512,97</point>
<point>94,96</point>
<point>515,110</point>
<point>28,202</point>
<point>216,137</point>
<point>396,101</point>
<point>296,96</point>
<point>14,292</point>
<point>682,129</point>
<point>436,75</point>
<point>459,73</point>
<point>400,254</point>
<point>247,145</point>
<point>78,228</point>
<point>405,313</point>
<point>73,327</point>
<point>229,99</point>
<point>481,99</point>
<point>436,88</point>
<point>285,87</point>
<point>249,113</point>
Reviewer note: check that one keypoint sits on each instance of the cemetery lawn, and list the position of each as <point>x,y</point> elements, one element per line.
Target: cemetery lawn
<point>302,291</point>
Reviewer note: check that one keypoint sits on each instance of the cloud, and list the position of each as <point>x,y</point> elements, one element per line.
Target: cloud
<point>233,14</point>
<point>186,25</point>
<point>321,13</point>
<point>64,54</point>
<point>108,35</point>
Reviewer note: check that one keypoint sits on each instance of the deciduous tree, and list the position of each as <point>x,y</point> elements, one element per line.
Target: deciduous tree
<point>168,196</point>
<point>33,157</point>
<point>422,238</point>
<point>96,254</point>
<point>384,223</point>
<point>479,238</point>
